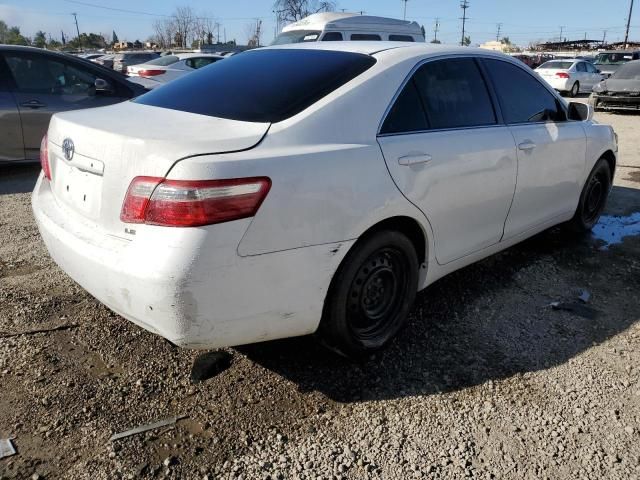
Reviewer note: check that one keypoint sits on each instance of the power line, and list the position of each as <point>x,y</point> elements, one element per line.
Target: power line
<point>464,5</point>
<point>626,36</point>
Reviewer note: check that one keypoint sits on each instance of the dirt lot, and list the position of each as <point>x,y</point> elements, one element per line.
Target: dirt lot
<point>488,381</point>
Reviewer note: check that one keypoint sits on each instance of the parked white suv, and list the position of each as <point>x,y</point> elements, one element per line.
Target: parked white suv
<point>332,26</point>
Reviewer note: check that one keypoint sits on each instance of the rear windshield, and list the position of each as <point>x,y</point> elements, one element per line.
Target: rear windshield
<point>164,61</point>
<point>630,71</point>
<point>268,85</point>
<point>557,65</point>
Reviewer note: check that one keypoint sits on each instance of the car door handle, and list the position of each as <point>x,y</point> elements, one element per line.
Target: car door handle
<point>33,104</point>
<point>528,145</point>
<point>414,159</point>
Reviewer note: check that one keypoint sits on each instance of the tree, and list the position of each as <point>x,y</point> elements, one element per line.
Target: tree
<point>90,41</point>
<point>114,38</point>
<point>12,35</point>
<point>288,11</point>
<point>467,41</point>
<point>505,41</point>
<point>184,20</point>
<point>40,39</point>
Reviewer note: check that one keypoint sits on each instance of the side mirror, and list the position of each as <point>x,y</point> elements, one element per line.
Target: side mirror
<point>580,112</point>
<point>102,86</point>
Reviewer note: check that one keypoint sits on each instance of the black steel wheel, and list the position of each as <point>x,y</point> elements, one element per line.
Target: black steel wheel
<point>371,294</point>
<point>593,198</point>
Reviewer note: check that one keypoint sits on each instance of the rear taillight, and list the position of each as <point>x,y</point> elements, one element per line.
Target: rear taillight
<point>187,203</point>
<point>44,158</point>
<point>562,75</point>
<point>150,73</point>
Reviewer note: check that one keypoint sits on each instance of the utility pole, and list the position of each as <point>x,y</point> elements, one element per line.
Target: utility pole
<point>464,5</point>
<point>626,35</point>
<point>604,37</point>
<point>75,17</point>
<point>561,30</point>
<point>435,31</point>
<point>404,16</point>
<point>498,32</point>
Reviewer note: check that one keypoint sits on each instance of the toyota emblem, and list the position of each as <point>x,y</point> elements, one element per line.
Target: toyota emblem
<point>68,148</point>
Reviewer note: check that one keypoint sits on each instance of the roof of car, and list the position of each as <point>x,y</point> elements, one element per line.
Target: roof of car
<point>373,47</point>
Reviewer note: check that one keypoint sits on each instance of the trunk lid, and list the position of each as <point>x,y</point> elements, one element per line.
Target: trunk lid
<point>107,147</point>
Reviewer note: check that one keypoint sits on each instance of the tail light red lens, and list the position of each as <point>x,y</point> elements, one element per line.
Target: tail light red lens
<point>44,158</point>
<point>150,73</point>
<point>562,75</point>
<point>187,203</point>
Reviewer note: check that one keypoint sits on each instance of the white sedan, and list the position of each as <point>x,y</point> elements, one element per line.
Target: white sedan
<point>318,196</point>
<point>169,67</point>
<point>570,76</point>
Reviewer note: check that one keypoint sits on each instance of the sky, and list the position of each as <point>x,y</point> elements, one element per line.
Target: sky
<point>522,22</point>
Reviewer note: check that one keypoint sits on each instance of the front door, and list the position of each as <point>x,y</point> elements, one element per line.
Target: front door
<point>449,156</point>
<point>44,85</point>
<point>11,145</point>
<point>551,149</point>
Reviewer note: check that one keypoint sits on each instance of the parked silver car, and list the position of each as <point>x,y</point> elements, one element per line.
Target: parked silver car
<point>36,83</point>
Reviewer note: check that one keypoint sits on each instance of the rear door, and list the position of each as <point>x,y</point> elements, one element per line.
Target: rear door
<point>11,144</point>
<point>551,149</point>
<point>450,155</point>
<point>46,84</point>
<point>594,76</point>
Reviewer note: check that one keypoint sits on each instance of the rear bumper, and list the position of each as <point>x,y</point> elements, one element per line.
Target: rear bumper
<point>560,84</point>
<point>189,285</point>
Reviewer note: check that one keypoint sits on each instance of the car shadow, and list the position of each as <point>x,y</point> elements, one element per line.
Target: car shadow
<point>18,178</point>
<point>491,320</point>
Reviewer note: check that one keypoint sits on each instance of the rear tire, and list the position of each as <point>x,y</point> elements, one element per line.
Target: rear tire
<point>575,89</point>
<point>593,198</point>
<point>370,295</point>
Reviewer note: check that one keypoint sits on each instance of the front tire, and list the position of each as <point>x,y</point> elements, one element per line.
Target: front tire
<point>593,198</point>
<point>370,295</point>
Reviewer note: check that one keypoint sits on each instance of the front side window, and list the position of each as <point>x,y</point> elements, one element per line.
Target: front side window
<point>522,97</point>
<point>38,74</point>
<point>332,37</point>
<point>454,94</point>
<point>365,36</point>
<point>591,68</point>
<point>260,85</point>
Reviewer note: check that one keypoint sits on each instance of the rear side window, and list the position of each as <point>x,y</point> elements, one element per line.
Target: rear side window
<point>332,37</point>
<point>407,113</point>
<point>522,97</point>
<point>454,94</point>
<point>268,85</point>
<point>581,67</point>
<point>401,38</point>
<point>365,36</point>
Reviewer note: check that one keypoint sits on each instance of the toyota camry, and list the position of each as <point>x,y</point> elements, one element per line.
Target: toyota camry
<point>313,188</point>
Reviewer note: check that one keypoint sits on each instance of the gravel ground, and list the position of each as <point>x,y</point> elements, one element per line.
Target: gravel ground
<point>488,381</point>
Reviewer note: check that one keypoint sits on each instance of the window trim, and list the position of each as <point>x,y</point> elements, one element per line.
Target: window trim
<point>479,58</point>
<point>559,101</point>
<point>497,111</point>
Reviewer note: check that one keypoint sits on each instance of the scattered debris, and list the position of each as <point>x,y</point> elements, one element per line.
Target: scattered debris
<point>209,365</point>
<point>6,448</point>
<point>146,428</point>
<point>585,296</point>
<point>39,330</point>
<point>577,308</point>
